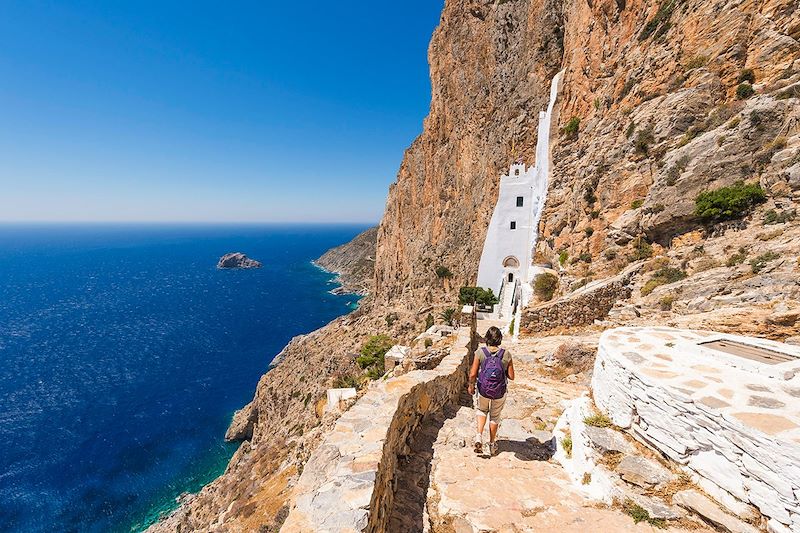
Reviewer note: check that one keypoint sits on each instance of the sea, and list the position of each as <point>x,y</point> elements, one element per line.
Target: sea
<point>124,353</point>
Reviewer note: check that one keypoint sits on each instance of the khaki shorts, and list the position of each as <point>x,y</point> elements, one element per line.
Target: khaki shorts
<point>492,408</point>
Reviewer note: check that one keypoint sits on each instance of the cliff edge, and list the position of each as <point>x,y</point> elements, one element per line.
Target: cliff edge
<point>353,262</point>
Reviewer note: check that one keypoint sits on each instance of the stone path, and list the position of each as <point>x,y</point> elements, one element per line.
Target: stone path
<point>520,489</point>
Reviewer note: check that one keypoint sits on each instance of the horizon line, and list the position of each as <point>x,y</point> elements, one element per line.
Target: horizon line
<point>191,222</point>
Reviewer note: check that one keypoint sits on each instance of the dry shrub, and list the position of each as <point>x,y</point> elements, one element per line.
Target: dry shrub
<point>575,358</point>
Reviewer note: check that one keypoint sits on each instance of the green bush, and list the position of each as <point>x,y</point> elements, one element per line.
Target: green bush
<point>372,353</point>
<point>566,443</point>
<point>760,263</point>
<point>443,272</point>
<point>728,203</point>
<point>747,75</point>
<point>477,295</point>
<point>598,420</point>
<point>346,381</point>
<point>666,302</point>
<point>545,285</point>
<point>641,250</point>
<point>588,231</point>
<point>562,257</point>
<point>572,126</point>
<point>589,196</point>
<point>775,217</point>
<point>698,61</point>
<point>428,342</point>
<point>744,91</point>
<point>636,204</point>
<point>664,276</point>
<point>429,322</point>
<point>586,257</point>
<point>737,258</point>
<point>644,138</point>
<point>659,24</point>
<point>630,129</point>
<point>640,514</point>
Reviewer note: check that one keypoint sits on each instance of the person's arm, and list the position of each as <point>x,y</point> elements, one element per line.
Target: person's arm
<point>473,374</point>
<point>510,371</point>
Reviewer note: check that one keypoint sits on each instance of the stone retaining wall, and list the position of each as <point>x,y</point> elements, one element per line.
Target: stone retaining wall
<point>348,483</point>
<point>731,423</point>
<point>580,308</point>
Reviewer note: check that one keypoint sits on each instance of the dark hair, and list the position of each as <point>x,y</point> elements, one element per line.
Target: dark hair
<point>494,336</point>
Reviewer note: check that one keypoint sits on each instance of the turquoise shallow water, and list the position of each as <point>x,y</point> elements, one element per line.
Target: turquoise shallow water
<point>124,352</point>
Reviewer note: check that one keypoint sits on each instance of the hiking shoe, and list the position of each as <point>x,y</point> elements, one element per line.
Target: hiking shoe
<point>478,444</point>
<point>492,448</point>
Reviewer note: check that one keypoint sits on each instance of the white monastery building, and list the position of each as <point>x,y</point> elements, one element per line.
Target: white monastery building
<point>506,251</point>
<point>506,264</point>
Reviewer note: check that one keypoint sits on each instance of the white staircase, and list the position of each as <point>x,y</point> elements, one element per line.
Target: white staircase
<point>507,300</point>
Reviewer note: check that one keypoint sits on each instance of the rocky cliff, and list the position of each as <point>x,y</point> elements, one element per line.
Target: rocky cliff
<point>353,262</point>
<point>659,101</point>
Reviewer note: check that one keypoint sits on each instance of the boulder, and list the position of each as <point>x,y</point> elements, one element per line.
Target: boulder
<point>657,508</point>
<point>607,440</point>
<point>642,471</point>
<point>697,503</point>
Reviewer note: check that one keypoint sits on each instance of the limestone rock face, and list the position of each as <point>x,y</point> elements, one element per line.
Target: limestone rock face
<point>491,65</point>
<point>354,262</point>
<point>660,121</point>
<point>237,260</point>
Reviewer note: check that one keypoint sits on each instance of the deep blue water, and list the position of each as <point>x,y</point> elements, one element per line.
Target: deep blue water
<point>124,352</point>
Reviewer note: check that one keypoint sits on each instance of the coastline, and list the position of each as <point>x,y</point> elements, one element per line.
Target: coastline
<point>244,419</point>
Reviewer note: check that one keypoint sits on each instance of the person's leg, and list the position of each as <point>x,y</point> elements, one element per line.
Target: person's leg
<point>494,423</point>
<point>482,422</point>
<point>481,412</point>
<point>493,431</point>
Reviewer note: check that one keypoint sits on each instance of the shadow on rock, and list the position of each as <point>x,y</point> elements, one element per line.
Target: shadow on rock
<point>531,449</point>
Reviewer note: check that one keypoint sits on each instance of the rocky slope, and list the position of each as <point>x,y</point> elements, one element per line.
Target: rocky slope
<point>652,88</point>
<point>354,262</point>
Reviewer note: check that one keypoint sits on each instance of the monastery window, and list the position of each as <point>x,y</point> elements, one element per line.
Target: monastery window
<point>520,201</point>
<point>516,172</point>
<point>513,225</point>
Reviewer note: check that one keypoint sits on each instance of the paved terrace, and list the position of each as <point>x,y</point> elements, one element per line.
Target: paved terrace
<point>726,407</point>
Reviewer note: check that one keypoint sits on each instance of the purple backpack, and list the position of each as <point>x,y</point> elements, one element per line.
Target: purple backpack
<point>492,377</point>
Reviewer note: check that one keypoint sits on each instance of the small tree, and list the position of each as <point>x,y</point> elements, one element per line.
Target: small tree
<point>477,295</point>
<point>572,126</point>
<point>545,286</point>
<point>448,316</point>
<point>727,203</point>
<point>428,322</point>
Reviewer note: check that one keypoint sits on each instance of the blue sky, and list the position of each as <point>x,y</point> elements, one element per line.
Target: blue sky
<point>208,111</point>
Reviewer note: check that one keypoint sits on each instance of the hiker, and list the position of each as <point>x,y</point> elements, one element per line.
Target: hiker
<point>492,367</point>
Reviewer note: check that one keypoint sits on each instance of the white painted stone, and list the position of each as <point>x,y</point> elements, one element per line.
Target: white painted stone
<point>336,398</point>
<point>735,463</point>
<point>714,466</point>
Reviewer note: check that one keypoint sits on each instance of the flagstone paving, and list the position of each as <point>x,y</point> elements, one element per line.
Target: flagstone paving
<point>521,488</point>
